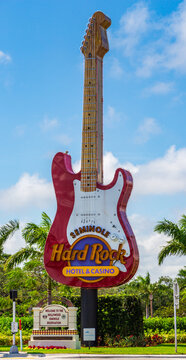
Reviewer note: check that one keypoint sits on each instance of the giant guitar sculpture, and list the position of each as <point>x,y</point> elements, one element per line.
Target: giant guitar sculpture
<point>91,243</point>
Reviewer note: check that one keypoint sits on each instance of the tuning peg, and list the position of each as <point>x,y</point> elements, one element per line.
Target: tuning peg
<point>83,48</point>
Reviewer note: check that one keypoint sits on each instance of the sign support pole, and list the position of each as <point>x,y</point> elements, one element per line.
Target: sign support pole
<point>176,306</point>
<point>14,325</point>
<point>175,327</point>
<point>14,310</point>
<point>88,317</point>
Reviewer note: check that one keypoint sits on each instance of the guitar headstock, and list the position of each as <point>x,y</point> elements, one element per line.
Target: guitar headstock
<point>95,40</point>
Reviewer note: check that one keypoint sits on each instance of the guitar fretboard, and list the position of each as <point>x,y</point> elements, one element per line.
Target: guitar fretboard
<point>92,133</point>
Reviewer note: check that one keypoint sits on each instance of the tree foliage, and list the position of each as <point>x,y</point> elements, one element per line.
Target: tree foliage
<point>177,233</point>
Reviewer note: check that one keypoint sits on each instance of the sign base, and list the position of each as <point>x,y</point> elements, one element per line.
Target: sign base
<point>68,338</point>
<point>89,317</point>
<point>14,350</point>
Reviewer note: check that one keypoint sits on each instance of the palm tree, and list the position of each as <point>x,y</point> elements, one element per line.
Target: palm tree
<point>35,238</point>
<point>146,289</point>
<point>143,286</point>
<point>177,233</point>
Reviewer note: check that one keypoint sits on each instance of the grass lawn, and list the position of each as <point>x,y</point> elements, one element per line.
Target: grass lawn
<point>163,349</point>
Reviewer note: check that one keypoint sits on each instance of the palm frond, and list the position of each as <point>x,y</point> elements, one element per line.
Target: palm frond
<point>168,228</point>
<point>8,230</point>
<point>46,222</point>
<point>34,235</point>
<point>20,256</point>
<point>173,247</point>
<point>182,223</point>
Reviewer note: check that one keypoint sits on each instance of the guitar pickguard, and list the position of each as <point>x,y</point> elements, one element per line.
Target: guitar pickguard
<point>99,208</point>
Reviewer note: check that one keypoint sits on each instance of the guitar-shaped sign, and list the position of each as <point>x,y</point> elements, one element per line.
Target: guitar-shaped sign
<point>91,243</point>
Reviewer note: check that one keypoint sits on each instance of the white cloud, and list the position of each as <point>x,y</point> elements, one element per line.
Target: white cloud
<point>133,25</point>
<point>161,88</point>
<point>29,191</point>
<point>76,166</point>
<point>111,163</point>
<point>4,58</point>
<point>176,49</point>
<point>146,129</point>
<point>111,116</point>
<point>48,124</point>
<point>165,175</point>
<point>149,63</point>
<point>169,51</point>
<point>165,39</point>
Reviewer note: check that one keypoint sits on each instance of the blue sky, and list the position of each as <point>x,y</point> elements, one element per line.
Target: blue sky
<point>41,99</point>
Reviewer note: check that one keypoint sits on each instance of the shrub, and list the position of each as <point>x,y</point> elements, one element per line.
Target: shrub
<point>117,314</point>
<point>158,324</point>
<point>51,347</point>
<point>5,324</point>
<point>7,340</point>
<point>128,341</point>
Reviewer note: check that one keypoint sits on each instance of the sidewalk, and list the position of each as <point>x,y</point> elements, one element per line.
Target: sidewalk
<point>87,356</point>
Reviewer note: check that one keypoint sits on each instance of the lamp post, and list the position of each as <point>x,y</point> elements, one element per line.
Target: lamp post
<point>14,324</point>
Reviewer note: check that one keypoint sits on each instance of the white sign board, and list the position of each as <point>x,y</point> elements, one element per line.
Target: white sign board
<point>89,334</point>
<point>14,327</point>
<point>176,294</point>
<point>54,316</point>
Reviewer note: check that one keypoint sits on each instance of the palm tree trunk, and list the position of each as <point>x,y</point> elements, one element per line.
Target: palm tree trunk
<point>151,308</point>
<point>49,291</point>
<point>147,310</point>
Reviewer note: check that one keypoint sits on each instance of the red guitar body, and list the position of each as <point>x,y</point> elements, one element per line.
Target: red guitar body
<point>65,227</point>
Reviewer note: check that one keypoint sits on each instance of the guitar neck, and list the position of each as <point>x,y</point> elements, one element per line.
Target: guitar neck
<point>92,133</point>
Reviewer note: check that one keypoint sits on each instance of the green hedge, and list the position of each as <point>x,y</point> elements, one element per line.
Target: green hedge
<point>5,324</point>
<point>117,315</point>
<point>164,324</point>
